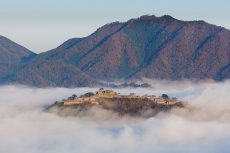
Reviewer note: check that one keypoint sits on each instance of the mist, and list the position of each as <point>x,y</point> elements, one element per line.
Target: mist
<point>25,127</point>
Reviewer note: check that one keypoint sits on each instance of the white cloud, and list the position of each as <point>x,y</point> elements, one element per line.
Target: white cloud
<point>26,128</point>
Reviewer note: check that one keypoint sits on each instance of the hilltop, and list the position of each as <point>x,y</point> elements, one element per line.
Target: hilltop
<point>133,105</point>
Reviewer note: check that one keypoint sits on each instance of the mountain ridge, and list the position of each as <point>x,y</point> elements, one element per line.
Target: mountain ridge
<point>12,56</point>
<point>148,46</point>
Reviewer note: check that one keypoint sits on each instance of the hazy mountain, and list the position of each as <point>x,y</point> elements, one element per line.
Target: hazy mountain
<point>12,56</point>
<point>50,69</point>
<point>149,46</point>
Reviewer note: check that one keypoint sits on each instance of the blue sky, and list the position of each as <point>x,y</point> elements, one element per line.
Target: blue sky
<point>41,25</point>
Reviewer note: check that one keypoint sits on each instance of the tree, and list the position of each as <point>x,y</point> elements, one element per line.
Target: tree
<point>74,96</point>
<point>88,94</point>
<point>165,96</point>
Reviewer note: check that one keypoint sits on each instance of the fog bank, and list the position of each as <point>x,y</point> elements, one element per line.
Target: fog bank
<point>25,127</point>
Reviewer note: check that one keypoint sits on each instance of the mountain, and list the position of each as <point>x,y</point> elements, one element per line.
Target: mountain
<point>149,46</point>
<point>50,69</point>
<point>12,56</point>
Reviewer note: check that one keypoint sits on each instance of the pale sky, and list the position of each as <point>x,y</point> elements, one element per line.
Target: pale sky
<point>41,25</point>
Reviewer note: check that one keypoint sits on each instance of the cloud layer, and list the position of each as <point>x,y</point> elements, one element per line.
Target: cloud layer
<point>25,127</point>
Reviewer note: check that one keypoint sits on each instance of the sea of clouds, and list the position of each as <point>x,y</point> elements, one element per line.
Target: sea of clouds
<point>26,128</point>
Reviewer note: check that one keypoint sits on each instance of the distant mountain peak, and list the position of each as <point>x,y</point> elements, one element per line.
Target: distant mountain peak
<point>12,56</point>
<point>167,17</point>
<point>147,17</point>
<point>153,17</point>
